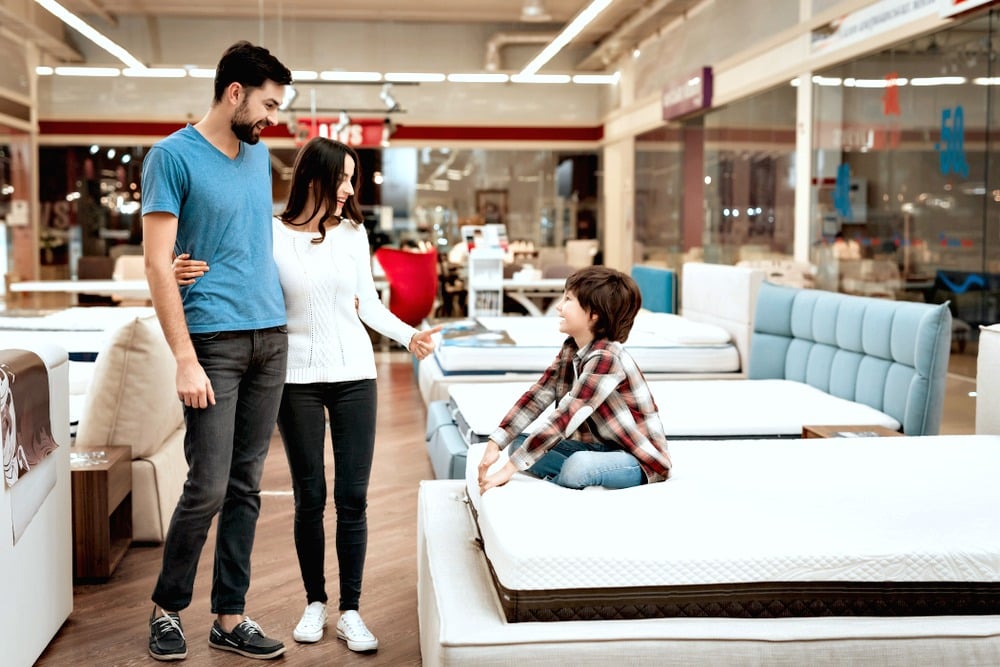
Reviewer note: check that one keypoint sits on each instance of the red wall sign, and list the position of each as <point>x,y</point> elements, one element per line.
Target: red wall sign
<point>362,132</point>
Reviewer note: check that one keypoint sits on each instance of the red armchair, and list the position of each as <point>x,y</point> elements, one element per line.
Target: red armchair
<point>413,282</point>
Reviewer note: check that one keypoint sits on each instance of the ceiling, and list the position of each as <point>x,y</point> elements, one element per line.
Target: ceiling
<point>617,29</point>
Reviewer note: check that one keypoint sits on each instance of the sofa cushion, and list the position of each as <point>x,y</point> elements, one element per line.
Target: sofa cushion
<point>133,397</point>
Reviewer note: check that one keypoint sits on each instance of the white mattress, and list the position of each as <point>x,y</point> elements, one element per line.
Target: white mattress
<point>77,318</point>
<point>847,510</point>
<point>695,408</point>
<point>659,343</point>
<point>461,621</point>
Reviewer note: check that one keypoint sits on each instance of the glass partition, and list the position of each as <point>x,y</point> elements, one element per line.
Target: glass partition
<point>905,202</point>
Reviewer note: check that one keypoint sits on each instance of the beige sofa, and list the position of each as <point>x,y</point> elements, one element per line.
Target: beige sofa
<point>132,400</point>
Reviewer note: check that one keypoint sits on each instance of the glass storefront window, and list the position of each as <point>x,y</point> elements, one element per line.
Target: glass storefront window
<point>720,187</point>
<point>89,203</point>
<point>90,196</point>
<point>659,197</point>
<point>904,189</point>
<point>749,178</point>
<point>543,197</point>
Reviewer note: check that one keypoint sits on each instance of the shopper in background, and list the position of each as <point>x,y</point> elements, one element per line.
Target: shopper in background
<point>324,262</point>
<point>207,191</point>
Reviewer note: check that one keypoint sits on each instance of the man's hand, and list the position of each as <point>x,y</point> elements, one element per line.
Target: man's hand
<point>193,386</point>
<point>187,270</point>
<point>422,344</point>
<point>499,478</point>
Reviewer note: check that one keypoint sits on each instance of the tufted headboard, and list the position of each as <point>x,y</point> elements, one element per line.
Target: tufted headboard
<point>889,355</point>
<point>658,287</point>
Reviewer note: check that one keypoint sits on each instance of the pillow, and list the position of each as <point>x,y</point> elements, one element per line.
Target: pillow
<point>132,399</point>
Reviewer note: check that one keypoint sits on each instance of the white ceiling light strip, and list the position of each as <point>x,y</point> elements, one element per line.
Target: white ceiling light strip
<point>347,78</point>
<point>563,38</point>
<point>85,29</point>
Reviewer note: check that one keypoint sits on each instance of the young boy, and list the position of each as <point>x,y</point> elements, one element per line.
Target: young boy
<point>605,429</point>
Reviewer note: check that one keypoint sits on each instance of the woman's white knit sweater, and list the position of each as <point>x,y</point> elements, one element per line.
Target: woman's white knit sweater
<point>327,341</point>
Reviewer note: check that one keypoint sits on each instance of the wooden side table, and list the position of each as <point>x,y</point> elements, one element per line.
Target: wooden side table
<point>847,431</point>
<point>102,509</point>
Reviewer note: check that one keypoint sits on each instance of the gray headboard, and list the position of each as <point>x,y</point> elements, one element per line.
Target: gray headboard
<point>890,355</point>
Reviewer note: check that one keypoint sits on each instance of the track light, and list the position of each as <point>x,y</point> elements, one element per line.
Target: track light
<point>290,95</point>
<point>535,11</point>
<point>342,122</point>
<point>386,96</point>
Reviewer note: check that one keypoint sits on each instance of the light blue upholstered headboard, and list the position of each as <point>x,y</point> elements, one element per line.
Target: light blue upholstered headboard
<point>890,355</point>
<point>658,287</point>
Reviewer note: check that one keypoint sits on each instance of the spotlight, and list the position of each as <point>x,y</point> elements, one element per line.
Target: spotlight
<point>535,11</point>
<point>342,122</point>
<point>290,95</point>
<point>386,96</point>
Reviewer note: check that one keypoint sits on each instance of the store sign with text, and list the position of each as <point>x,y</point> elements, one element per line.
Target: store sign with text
<point>360,133</point>
<point>687,95</point>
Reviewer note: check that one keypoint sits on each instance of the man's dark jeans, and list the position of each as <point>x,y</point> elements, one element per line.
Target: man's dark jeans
<point>225,446</point>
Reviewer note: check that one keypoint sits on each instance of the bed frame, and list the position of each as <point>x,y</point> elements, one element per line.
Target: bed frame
<point>717,294</point>
<point>462,621</point>
<point>889,356</point>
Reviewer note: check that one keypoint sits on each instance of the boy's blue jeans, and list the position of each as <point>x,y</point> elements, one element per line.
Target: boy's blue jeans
<point>576,465</point>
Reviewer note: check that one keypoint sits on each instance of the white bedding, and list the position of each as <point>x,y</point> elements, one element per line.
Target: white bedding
<point>917,509</point>
<point>659,343</point>
<point>694,408</point>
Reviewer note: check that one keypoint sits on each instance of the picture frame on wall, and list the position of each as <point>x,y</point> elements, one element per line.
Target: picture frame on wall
<point>491,205</point>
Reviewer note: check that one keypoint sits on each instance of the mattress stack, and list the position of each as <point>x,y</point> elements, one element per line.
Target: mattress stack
<point>757,529</point>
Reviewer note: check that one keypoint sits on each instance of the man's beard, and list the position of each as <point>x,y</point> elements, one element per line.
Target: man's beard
<point>242,128</point>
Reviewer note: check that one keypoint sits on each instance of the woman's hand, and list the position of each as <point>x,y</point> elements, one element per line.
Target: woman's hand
<point>187,270</point>
<point>422,344</point>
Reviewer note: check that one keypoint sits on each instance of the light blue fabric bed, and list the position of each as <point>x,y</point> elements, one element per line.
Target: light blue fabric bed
<point>890,355</point>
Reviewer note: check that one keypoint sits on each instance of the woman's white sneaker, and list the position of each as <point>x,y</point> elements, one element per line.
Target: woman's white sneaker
<point>352,629</point>
<point>310,627</point>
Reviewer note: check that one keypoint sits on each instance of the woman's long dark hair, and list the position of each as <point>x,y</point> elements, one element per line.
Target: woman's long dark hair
<point>320,163</point>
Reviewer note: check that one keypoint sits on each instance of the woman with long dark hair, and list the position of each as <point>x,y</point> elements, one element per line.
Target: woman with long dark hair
<point>324,264</point>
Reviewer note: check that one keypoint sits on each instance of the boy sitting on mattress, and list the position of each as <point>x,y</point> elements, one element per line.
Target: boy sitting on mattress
<point>605,429</point>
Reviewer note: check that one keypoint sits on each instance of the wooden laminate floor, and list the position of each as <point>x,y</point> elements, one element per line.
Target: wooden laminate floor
<point>108,626</point>
<point>109,623</point>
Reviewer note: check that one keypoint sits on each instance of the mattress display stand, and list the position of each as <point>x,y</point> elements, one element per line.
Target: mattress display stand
<point>847,431</point>
<point>485,282</point>
<point>462,623</point>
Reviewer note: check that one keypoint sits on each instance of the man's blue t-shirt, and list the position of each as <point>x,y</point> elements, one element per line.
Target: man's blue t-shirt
<point>223,207</point>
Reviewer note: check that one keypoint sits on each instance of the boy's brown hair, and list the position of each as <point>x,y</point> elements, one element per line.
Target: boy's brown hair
<point>611,295</point>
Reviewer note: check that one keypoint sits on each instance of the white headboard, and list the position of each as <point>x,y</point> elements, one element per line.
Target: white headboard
<point>722,295</point>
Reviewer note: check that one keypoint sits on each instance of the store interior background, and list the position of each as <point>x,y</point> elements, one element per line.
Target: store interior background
<point>913,165</point>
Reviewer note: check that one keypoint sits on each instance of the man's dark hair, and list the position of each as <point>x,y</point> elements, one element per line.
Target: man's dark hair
<point>249,65</point>
<point>611,295</point>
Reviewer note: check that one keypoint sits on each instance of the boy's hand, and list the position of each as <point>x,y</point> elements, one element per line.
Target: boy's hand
<point>499,478</point>
<point>187,270</point>
<point>490,456</point>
